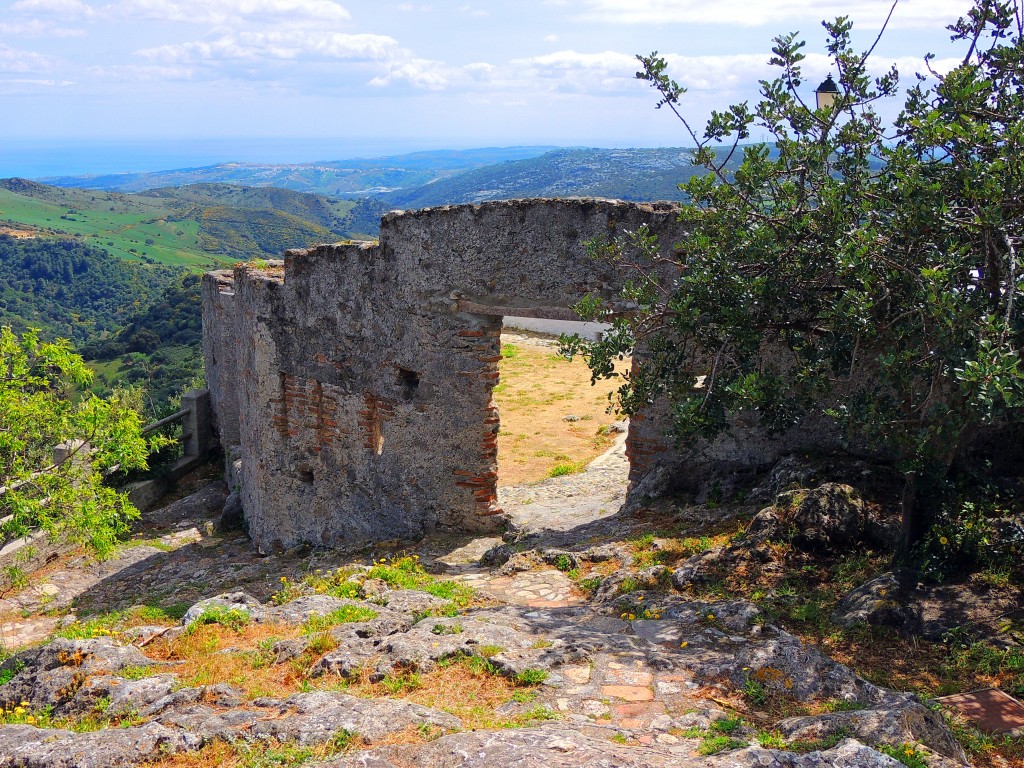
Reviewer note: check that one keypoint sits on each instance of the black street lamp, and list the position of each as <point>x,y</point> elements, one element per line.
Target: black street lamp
<point>827,93</point>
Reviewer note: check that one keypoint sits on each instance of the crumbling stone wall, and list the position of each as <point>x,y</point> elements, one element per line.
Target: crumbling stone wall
<point>356,379</point>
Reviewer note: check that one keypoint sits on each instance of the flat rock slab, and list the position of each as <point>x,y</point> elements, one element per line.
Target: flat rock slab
<point>545,588</point>
<point>989,710</point>
<point>559,747</point>
<point>26,747</point>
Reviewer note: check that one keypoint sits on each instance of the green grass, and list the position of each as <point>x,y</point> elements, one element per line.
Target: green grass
<point>712,745</point>
<point>344,615</point>
<point>135,230</point>
<point>399,572</point>
<point>232,618</point>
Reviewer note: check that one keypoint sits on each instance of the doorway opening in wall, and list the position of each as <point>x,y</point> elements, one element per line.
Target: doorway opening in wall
<point>553,421</point>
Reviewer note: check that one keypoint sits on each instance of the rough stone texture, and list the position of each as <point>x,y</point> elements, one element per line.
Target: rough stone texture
<point>829,518</point>
<point>558,747</point>
<point>313,718</point>
<point>52,674</point>
<point>22,746</point>
<point>885,601</point>
<point>117,695</point>
<point>905,723</point>
<point>220,356</point>
<point>229,601</point>
<point>232,515</point>
<point>201,504</point>
<point>896,599</point>
<point>360,376</point>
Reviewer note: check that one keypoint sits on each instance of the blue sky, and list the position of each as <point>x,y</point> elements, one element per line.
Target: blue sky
<point>435,73</point>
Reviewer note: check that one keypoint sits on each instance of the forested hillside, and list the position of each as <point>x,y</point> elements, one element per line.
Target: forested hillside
<point>72,290</point>
<point>160,345</point>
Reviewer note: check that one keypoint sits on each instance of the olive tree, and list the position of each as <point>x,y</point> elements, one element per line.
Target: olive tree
<point>877,263</point>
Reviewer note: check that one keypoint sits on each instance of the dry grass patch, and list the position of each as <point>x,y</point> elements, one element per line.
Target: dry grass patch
<point>213,653</point>
<point>261,754</point>
<point>538,389</point>
<point>467,687</point>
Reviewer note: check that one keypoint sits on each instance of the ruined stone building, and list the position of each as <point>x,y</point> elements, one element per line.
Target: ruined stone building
<point>355,380</point>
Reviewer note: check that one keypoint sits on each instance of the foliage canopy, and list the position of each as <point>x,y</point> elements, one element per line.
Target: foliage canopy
<point>39,383</point>
<point>868,268</point>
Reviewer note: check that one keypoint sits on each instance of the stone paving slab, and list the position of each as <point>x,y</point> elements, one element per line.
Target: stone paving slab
<point>990,710</point>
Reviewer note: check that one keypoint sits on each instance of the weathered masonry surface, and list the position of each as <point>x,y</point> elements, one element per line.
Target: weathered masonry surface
<point>356,379</point>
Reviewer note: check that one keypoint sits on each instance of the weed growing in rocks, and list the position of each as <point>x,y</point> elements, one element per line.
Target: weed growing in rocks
<point>771,740</point>
<point>116,622</point>
<point>447,629</point>
<point>399,572</point>
<point>344,615</point>
<point>232,618</point>
<point>1002,667</point>
<point>984,748</point>
<point>803,746</point>
<point>906,754</point>
<point>712,745</point>
<point>531,677</point>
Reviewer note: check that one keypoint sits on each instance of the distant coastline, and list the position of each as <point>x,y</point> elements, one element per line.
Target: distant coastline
<point>42,158</point>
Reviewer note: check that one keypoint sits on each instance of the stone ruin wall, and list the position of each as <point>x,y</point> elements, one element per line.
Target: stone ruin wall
<point>356,379</point>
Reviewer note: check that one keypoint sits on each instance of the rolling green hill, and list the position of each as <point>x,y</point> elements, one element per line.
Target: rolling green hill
<point>625,174</point>
<point>116,273</point>
<point>200,228</point>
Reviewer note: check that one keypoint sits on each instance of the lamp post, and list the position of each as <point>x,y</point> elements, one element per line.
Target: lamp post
<point>826,93</point>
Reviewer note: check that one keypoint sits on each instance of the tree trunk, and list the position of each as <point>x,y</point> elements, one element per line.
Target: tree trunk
<point>911,527</point>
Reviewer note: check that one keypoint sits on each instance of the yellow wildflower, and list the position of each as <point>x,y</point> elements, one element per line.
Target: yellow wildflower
<point>943,540</point>
<point>684,643</point>
<point>30,719</point>
<point>711,617</point>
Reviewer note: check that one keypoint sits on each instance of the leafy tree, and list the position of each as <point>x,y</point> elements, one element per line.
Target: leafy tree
<point>870,277</point>
<point>38,410</point>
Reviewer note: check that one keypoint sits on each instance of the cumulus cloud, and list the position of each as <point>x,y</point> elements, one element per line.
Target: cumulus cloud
<point>222,11</point>
<point>192,11</point>
<point>611,72</point>
<point>15,61</point>
<point>909,13</point>
<point>289,46</point>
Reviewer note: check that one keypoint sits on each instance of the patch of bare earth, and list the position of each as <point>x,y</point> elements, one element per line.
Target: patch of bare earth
<point>552,419</point>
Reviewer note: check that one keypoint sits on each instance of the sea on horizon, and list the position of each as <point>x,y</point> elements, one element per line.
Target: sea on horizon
<point>46,158</point>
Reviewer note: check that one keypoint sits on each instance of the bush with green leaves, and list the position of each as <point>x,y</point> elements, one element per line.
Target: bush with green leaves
<point>847,270</point>
<point>42,405</point>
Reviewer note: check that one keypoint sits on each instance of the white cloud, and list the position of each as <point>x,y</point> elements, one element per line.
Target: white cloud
<point>909,13</point>
<point>37,28</point>
<point>142,73</point>
<point>192,11</point>
<point>550,38</point>
<point>66,9</point>
<point>290,46</point>
<point>21,62</point>
<point>223,11</point>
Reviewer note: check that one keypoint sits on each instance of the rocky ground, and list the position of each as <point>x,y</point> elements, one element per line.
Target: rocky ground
<point>571,643</point>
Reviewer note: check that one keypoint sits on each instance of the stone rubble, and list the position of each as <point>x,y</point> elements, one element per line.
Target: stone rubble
<point>634,679</point>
